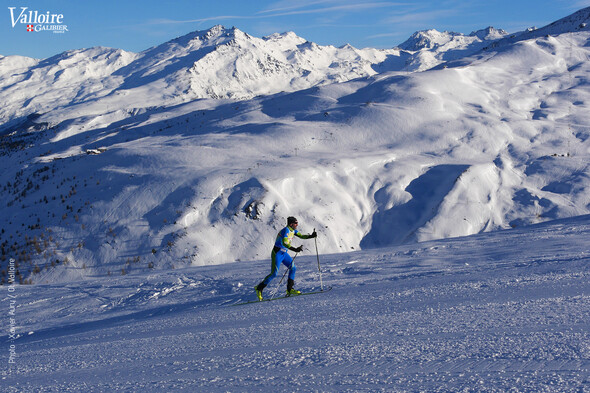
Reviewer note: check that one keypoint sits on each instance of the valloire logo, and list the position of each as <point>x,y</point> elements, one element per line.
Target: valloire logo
<point>36,21</point>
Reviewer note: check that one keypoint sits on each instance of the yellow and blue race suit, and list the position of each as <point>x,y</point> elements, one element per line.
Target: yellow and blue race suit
<point>279,253</point>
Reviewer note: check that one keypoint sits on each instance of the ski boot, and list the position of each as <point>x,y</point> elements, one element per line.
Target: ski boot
<point>259,289</point>
<point>290,290</point>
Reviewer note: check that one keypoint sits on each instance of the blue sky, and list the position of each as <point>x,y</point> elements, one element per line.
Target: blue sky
<point>137,25</point>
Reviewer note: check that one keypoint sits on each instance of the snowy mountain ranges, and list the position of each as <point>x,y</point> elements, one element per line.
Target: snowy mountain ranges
<point>195,151</point>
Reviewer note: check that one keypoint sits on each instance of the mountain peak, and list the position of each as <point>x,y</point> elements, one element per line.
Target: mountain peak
<point>215,35</point>
<point>427,39</point>
<point>489,33</point>
<point>579,20</point>
<point>289,37</point>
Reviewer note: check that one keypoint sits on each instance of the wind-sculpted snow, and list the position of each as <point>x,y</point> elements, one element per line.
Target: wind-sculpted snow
<point>501,311</point>
<point>216,63</point>
<point>138,175</point>
<point>63,80</point>
<point>427,191</point>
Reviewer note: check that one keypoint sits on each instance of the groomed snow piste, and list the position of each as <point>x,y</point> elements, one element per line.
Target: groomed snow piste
<point>497,312</point>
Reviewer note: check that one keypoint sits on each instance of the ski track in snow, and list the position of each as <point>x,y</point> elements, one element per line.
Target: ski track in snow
<point>503,311</point>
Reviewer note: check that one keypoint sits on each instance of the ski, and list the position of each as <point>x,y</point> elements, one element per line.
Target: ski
<point>283,297</point>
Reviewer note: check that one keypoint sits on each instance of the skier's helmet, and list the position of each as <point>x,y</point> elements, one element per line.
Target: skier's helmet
<point>291,220</point>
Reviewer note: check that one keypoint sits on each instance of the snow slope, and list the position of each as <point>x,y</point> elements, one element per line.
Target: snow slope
<point>134,176</point>
<point>30,86</point>
<point>431,47</point>
<point>216,63</point>
<point>452,207</point>
<point>495,312</point>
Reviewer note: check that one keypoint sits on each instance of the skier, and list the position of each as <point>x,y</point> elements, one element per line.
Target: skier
<point>279,255</point>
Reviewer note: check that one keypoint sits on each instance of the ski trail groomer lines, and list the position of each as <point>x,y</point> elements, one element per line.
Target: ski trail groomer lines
<point>280,255</point>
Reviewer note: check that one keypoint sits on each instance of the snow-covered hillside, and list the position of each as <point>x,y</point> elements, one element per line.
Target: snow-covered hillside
<point>431,47</point>
<point>115,165</point>
<point>216,63</point>
<point>506,311</point>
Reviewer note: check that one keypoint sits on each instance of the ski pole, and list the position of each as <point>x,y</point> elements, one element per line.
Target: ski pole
<point>318,257</point>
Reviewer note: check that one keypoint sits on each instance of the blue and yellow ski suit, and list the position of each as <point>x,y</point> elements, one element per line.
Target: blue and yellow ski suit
<point>279,253</point>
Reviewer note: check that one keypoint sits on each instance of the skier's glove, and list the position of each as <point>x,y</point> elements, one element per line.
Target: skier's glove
<point>297,249</point>
<point>313,234</point>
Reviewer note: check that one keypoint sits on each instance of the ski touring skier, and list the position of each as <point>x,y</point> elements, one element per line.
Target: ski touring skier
<point>279,255</point>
